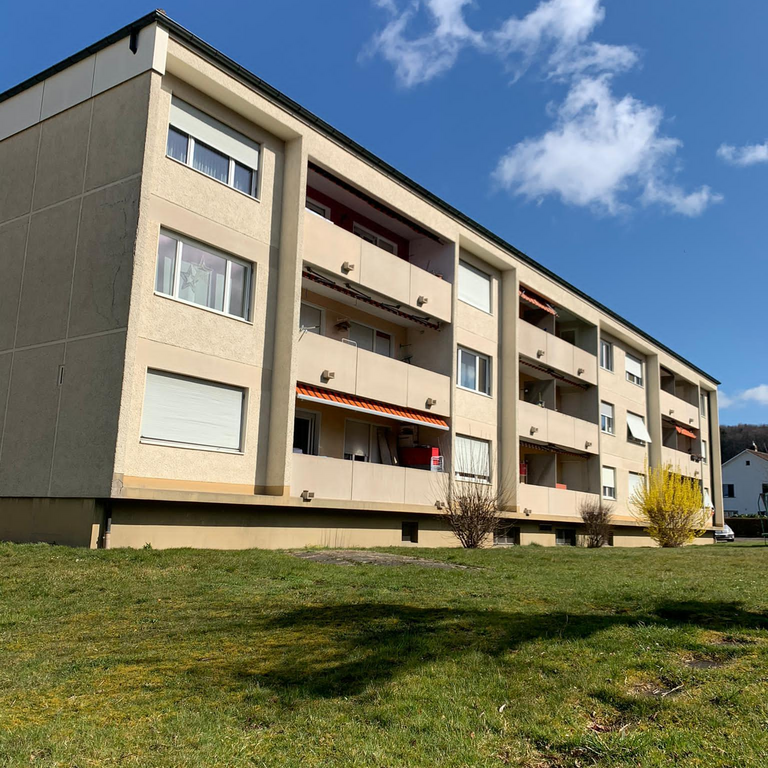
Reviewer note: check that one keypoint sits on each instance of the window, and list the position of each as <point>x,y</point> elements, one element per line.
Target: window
<point>704,451</point>
<point>305,432</point>
<point>474,371</point>
<point>765,488</point>
<point>545,527</point>
<point>606,355</point>
<point>192,413</point>
<point>636,484</point>
<point>634,369</point>
<point>474,287</point>
<point>746,462</point>
<point>609,482</point>
<point>318,208</point>
<point>372,237</point>
<point>636,429</point>
<point>207,145</point>
<point>410,532</point>
<point>728,491</point>
<point>703,404</point>
<point>565,537</point>
<point>310,318</point>
<point>606,418</point>
<point>473,459</point>
<point>506,534</point>
<point>192,272</point>
<point>707,502</point>
<point>370,339</point>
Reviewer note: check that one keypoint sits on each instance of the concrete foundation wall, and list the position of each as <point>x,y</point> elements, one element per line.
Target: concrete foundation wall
<point>71,522</point>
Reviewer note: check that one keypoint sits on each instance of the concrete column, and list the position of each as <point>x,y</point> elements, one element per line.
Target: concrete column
<point>509,367</point>
<point>715,459</point>
<point>286,321</point>
<point>653,405</point>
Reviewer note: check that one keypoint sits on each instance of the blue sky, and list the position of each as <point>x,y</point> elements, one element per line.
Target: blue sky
<point>623,145</point>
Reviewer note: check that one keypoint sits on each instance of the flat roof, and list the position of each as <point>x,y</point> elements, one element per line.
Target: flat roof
<point>318,123</point>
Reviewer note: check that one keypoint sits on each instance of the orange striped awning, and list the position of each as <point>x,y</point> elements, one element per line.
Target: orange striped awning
<point>686,432</point>
<point>531,298</point>
<point>362,404</point>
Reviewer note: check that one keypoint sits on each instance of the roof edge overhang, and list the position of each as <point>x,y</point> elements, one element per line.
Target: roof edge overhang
<point>182,33</point>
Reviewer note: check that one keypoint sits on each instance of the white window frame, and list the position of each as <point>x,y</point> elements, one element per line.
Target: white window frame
<point>608,346</point>
<point>249,266</point>
<point>631,377</point>
<point>630,487</point>
<point>357,229</point>
<point>478,357</point>
<point>314,438</point>
<point>375,330</point>
<point>612,419</point>
<point>228,135</point>
<point>321,330</point>
<point>703,404</point>
<point>326,214</point>
<point>612,496</point>
<point>704,451</point>
<point>471,477</point>
<point>488,278</point>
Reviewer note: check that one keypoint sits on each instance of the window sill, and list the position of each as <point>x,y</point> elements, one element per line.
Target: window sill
<point>205,309</point>
<point>212,178</point>
<point>474,391</point>
<point>610,434</point>
<point>190,446</point>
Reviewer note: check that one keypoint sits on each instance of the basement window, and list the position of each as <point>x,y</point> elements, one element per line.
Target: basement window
<point>565,537</point>
<point>410,532</point>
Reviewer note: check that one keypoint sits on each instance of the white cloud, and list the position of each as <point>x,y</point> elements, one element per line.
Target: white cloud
<point>599,148</point>
<point>756,395</point>
<point>750,154</point>
<point>603,150</point>
<point>418,60</point>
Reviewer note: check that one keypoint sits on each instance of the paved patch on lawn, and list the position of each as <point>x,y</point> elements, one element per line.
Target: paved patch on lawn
<point>369,557</point>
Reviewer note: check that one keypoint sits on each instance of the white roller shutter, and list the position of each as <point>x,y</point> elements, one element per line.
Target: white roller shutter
<point>637,428</point>
<point>707,500</point>
<point>636,482</point>
<point>606,409</point>
<point>192,412</point>
<point>217,135</point>
<point>474,287</point>
<point>609,478</point>
<point>634,366</point>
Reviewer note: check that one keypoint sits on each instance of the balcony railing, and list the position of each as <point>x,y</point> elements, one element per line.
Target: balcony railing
<point>363,264</point>
<point>548,426</point>
<point>558,502</point>
<point>679,410</point>
<point>338,479</point>
<point>368,374</point>
<point>551,351</point>
<point>683,461</point>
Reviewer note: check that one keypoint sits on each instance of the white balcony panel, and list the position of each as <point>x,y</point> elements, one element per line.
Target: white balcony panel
<point>370,375</point>
<point>682,462</point>
<point>551,501</point>
<point>329,247</point>
<point>679,410</point>
<point>557,428</point>
<point>550,351</point>
<point>337,479</point>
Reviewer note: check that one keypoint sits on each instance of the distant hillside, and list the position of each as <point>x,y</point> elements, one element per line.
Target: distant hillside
<point>735,439</point>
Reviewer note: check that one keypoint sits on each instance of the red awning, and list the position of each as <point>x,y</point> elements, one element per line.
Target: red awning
<point>686,432</point>
<point>354,403</point>
<point>537,301</point>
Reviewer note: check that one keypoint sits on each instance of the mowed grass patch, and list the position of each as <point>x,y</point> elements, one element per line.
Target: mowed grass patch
<point>531,657</point>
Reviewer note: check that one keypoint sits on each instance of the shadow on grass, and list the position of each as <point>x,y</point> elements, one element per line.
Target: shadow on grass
<point>339,650</point>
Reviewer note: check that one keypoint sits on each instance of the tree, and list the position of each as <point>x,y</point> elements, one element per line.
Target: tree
<point>670,506</point>
<point>472,507</point>
<point>598,517</point>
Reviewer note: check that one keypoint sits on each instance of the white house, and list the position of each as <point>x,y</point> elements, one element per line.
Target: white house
<point>745,477</point>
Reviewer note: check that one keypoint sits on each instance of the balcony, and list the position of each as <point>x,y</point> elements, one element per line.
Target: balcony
<point>556,502</point>
<point>682,462</point>
<point>548,426</point>
<point>354,260</point>
<point>679,410</point>
<point>371,375</point>
<point>340,480</point>
<point>550,351</point>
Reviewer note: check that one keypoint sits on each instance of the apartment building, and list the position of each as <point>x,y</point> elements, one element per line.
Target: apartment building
<point>225,324</point>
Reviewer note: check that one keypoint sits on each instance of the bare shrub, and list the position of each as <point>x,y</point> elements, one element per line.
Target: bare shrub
<point>598,517</point>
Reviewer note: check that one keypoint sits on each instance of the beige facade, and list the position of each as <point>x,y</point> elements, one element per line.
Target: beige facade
<point>224,324</point>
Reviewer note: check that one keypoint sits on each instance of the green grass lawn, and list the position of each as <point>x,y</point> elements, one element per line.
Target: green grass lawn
<point>533,657</point>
